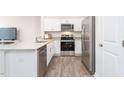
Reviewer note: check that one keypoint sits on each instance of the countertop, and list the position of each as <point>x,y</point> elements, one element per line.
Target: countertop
<point>24,46</point>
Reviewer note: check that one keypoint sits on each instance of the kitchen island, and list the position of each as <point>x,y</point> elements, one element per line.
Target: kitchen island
<point>23,59</point>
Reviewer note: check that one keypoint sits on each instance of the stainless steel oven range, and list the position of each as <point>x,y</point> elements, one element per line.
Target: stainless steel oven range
<point>67,45</point>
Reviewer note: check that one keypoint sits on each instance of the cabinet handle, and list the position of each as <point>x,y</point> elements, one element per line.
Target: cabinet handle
<point>123,43</point>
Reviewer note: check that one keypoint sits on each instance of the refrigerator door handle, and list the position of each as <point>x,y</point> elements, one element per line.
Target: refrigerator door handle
<point>123,43</point>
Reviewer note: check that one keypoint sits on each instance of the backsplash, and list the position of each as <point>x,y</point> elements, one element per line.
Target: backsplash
<point>58,34</point>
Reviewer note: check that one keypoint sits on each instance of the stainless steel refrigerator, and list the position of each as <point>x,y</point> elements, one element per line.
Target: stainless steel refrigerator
<point>88,43</point>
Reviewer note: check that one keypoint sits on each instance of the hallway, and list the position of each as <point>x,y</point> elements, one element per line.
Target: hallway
<point>66,66</point>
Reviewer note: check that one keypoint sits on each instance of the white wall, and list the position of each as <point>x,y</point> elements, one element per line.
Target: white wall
<point>28,26</point>
<point>42,26</point>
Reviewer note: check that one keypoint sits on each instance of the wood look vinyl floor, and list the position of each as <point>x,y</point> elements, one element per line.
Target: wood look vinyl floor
<point>66,66</point>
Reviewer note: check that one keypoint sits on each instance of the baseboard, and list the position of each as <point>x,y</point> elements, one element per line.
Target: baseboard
<point>77,54</point>
<point>58,54</point>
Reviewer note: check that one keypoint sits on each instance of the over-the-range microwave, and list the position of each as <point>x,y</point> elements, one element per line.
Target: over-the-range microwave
<point>67,27</point>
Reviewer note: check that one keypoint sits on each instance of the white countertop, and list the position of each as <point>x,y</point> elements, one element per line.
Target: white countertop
<point>23,46</point>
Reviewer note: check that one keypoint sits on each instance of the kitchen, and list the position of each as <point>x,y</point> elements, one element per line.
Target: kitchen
<point>35,46</point>
<point>58,46</point>
<point>58,36</point>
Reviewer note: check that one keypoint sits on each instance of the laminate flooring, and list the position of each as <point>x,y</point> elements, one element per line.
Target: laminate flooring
<point>66,66</point>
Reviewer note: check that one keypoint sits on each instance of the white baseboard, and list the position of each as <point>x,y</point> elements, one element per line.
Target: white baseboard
<point>77,54</point>
<point>58,54</point>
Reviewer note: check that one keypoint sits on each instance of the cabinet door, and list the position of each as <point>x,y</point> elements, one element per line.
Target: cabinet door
<point>50,52</point>
<point>57,46</point>
<point>77,24</point>
<point>2,63</point>
<point>51,25</point>
<point>53,49</point>
<point>78,47</point>
<point>66,21</point>
<point>21,63</point>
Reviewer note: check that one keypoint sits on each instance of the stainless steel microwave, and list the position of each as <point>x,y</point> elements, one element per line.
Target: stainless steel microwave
<point>67,27</point>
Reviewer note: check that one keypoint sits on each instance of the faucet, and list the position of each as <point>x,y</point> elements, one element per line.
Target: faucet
<point>38,39</point>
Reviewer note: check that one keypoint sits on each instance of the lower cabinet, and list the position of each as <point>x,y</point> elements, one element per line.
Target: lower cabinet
<point>53,48</point>
<point>78,47</point>
<point>21,63</point>
<point>26,63</point>
<point>50,52</point>
<point>2,64</point>
<point>57,46</point>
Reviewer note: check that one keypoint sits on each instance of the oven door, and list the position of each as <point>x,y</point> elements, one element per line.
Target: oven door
<point>67,48</point>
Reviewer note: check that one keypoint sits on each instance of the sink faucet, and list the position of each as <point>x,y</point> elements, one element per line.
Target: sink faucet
<point>38,39</point>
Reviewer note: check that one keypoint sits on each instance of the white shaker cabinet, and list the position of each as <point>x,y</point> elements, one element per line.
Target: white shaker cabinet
<point>66,21</point>
<point>52,25</point>
<point>57,46</point>
<point>77,24</point>
<point>21,63</point>
<point>2,64</point>
<point>78,47</point>
<point>50,52</point>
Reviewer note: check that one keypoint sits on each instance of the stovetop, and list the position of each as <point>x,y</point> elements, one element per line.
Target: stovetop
<point>67,38</point>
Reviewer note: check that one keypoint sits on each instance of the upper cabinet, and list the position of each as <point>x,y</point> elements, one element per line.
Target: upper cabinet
<point>54,23</point>
<point>77,24</point>
<point>51,24</point>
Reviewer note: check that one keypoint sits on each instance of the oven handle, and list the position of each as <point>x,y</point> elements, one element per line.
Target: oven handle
<point>67,40</point>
